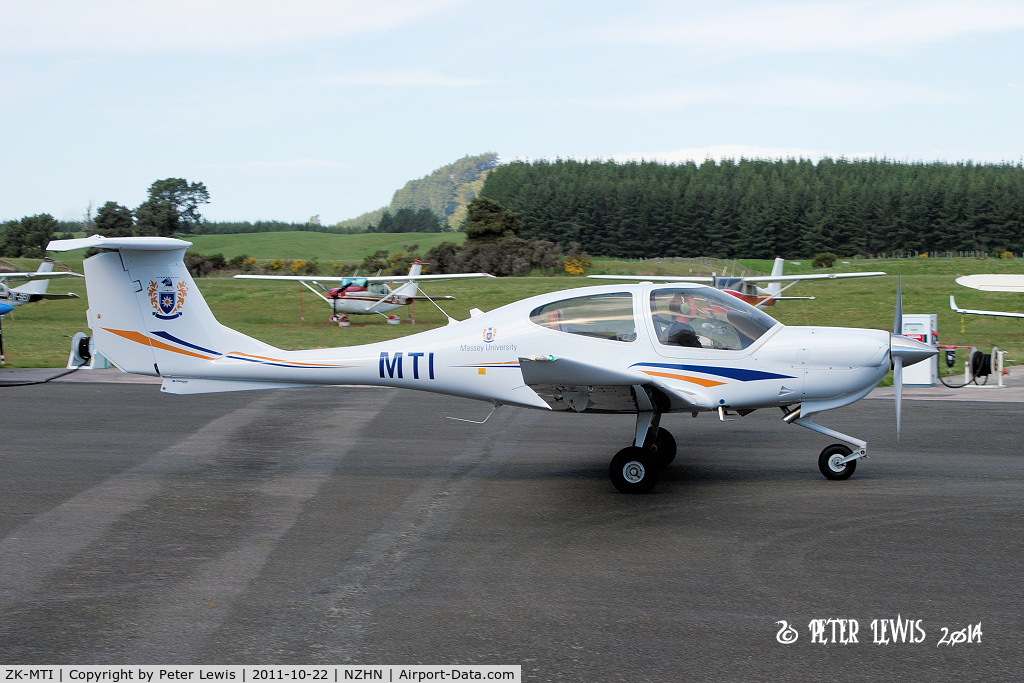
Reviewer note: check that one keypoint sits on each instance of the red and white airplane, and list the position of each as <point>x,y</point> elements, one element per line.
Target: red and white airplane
<point>369,295</point>
<point>747,288</point>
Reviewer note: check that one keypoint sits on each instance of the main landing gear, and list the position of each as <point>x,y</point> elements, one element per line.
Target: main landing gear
<point>635,469</point>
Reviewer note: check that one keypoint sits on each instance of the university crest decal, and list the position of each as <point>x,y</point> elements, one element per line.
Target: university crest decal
<point>167,298</point>
<point>489,334</point>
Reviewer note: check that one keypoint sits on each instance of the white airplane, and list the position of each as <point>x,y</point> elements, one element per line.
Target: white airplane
<point>989,283</point>
<point>33,290</point>
<point>369,295</point>
<point>746,288</point>
<point>604,349</point>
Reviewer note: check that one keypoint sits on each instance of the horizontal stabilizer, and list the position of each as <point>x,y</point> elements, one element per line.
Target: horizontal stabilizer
<point>132,243</point>
<point>182,386</point>
<point>47,295</point>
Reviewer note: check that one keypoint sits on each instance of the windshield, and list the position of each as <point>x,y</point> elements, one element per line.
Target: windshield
<point>706,318</point>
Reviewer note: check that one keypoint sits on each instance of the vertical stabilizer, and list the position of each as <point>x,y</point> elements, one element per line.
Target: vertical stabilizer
<point>37,286</point>
<point>775,288</point>
<point>145,311</point>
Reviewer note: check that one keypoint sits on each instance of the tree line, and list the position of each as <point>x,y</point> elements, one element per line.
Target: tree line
<point>761,208</point>
<point>172,207</point>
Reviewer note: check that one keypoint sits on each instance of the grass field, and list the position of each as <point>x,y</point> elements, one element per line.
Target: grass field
<point>324,247</point>
<point>35,335</point>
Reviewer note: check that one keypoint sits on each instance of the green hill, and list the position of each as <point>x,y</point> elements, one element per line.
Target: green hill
<point>445,191</point>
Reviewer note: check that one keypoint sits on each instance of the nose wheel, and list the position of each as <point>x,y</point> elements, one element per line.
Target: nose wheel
<point>831,464</point>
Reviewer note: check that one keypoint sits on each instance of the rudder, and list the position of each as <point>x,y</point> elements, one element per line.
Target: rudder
<point>145,311</point>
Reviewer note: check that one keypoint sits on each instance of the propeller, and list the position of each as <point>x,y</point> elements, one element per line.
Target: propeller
<point>897,360</point>
<point>903,351</point>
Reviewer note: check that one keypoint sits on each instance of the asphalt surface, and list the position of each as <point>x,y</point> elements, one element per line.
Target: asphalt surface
<point>354,525</point>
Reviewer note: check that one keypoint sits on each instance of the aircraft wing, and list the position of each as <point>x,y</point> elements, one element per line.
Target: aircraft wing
<point>382,278</point>
<point>952,305</point>
<point>808,276</point>
<point>652,278</point>
<point>570,384</point>
<point>993,283</point>
<point>35,275</point>
<point>759,279</point>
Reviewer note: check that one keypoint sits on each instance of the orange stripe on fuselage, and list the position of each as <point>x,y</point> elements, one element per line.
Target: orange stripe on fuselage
<point>685,378</point>
<point>140,338</point>
<point>278,360</point>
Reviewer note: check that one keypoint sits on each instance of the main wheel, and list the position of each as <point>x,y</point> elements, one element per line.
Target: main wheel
<point>633,470</point>
<point>828,462</point>
<point>663,448</point>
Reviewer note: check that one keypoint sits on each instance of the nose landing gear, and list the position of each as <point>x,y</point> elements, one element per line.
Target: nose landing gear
<point>833,464</point>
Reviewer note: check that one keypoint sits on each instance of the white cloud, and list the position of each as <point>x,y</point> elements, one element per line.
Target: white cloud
<point>804,93</point>
<point>204,25</point>
<point>399,78</point>
<point>758,27</point>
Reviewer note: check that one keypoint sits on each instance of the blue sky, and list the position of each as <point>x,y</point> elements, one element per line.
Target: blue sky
<point>289,109</point>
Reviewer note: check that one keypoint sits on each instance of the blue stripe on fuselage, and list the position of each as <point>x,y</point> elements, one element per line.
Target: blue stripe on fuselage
<point>740,374</point>
<point>171,337</point>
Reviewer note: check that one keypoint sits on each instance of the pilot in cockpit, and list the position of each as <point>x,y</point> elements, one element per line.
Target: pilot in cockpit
<point>682,309</point>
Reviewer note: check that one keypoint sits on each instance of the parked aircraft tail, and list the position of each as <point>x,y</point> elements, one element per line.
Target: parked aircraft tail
<point>37,286</point>
<point>146,313</point>
<point>775,288</point>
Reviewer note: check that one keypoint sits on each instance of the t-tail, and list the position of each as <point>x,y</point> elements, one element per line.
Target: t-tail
<point>147,316</point>
<point>139,291</point>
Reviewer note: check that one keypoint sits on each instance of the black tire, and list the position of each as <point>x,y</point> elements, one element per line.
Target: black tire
<point>663,448</point>
<point>633,470</point>
<point>828,467</point>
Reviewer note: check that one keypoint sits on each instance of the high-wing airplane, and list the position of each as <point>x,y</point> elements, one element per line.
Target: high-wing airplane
<point>33,290</point>
<point>369,295</point>
<point>990,283</point>
<point>747,288</point>
<point>604,349</point>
